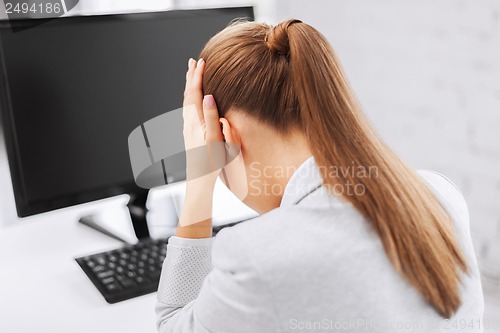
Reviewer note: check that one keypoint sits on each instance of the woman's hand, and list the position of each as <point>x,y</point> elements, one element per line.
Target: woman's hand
<point>203,137</point>
<point>205,134</point>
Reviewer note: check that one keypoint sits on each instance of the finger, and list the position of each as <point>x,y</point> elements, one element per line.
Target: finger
<point>194,76</point>
<point>196,91</point>
<point>211,116</point>
<point>190,71</point>
<point>190,96</point>
<point>193,93</point>
<point>197,77</point>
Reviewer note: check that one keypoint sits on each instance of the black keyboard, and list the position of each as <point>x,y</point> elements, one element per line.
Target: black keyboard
<point>130,271</point>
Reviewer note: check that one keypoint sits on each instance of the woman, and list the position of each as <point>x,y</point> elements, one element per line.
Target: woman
<point>349,237</point>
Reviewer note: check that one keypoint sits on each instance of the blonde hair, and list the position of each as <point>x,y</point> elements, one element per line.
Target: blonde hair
<point>288,77</point>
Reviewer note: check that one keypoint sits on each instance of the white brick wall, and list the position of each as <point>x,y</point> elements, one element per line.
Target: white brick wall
<point>428,75</point>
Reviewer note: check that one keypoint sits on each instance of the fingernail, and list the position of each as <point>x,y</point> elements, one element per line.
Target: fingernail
<point>190,62</point>
<point>208,100</point>
<point>201,61</point>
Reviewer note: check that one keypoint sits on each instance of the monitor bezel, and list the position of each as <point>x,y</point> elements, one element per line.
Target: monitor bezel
<point>7,125</point>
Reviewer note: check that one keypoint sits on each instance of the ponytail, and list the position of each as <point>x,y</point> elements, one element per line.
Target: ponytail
<point>292,78</point>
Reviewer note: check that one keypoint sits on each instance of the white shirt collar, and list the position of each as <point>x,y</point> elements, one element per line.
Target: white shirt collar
<point>304,180</point>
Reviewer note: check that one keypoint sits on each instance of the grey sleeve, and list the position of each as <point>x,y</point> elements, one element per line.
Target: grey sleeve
<point>219,289</point>
<point>187,263</point>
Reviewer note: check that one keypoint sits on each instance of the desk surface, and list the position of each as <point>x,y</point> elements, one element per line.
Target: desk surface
<point>42,289</point>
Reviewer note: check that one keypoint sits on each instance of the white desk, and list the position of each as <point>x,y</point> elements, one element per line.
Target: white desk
<point>42,288</point>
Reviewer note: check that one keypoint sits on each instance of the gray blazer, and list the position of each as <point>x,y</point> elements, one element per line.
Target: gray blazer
<point>313,264</point>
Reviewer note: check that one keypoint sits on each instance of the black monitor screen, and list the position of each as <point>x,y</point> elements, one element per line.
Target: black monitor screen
<point>74,88</point>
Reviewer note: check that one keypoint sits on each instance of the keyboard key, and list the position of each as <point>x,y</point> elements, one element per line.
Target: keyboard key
<point>98,268</point>
<point>140,280</point>
<point>112,286</point>
<point>104,274</point>
<point>125,282</point>
<point>100,260</point>
<point>108,280</point>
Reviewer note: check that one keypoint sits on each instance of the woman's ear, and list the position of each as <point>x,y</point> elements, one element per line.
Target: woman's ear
<point>233,174</point>
<point>229,133</point>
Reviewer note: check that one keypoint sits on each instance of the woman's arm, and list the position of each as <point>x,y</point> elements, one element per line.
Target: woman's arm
<point>196,217</point>
<point>205,139</point>
<point>199,114</point>
<point>193,295</point>
<point>215,290</point>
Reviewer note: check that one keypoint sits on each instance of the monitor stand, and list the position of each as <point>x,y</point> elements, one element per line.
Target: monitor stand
<point>138,212</point>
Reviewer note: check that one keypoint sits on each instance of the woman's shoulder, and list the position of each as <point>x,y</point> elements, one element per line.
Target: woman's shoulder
<point>448,194</point>
<point>453,202</point>
<point>288,239</point>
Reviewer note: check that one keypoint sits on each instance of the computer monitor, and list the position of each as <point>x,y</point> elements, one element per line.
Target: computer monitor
<point>73,88</point>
